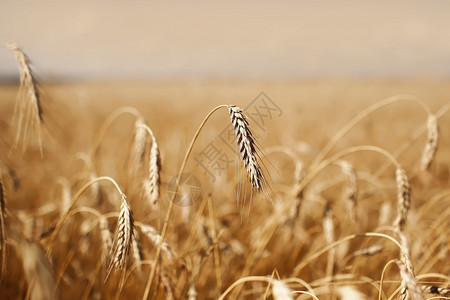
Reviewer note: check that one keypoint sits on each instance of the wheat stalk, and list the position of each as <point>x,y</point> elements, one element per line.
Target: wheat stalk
<point>155,237</point>
<point>403,198</point>
<point>431,146</point>
<point>246,144</point>
<point>351,191</point>
<point>27,116</point>
<point>406,259</point>
<point>412,286</point>
<point>123,237</point>
<point>151,184</point>
<point>138,147</point>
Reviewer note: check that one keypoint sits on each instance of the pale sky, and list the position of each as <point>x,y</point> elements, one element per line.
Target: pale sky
<point>147,40</point>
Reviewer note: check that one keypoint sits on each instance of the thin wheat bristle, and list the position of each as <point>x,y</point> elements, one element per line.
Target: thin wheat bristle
<point>431,146</point>
<point>403,198</point>
<point>27,116</point>
<point>413,289</point>
<point>406,259</point>
<point>155,237</point>
<point>124,234</point>
<point>351,191</point>
<point>281,291</point>
<point>405,253</point>
<point>246,144</point>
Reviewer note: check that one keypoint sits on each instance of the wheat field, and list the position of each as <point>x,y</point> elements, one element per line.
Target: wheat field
<point>314,190</point>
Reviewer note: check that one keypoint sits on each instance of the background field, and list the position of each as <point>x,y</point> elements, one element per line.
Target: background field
<point>312,112</point>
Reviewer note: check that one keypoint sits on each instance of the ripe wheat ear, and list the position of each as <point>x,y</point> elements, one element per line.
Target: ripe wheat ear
<point>27,116</point>
<point>246,144</point>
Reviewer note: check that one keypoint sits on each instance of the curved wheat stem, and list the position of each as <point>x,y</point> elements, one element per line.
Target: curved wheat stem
<point>104,127</point>
<point>75,198</point>
<point>248,152</point>
<point>170,208</point>
<point>360,116</point>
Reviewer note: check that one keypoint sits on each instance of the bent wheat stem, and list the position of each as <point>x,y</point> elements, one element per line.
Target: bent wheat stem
<point>360,116</point>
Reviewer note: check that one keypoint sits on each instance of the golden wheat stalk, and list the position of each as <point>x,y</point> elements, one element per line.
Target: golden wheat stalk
<point>155,237</point>
<point>403,198</point>
<point>138,147</point>
<point>431,146</point>
<point>27,116</point>
<point>412,289</point>
<point>151,184</point>
<point>351,191</point>
<point>123,237</point>
<point>246,144</point>
<point>406,259</point>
